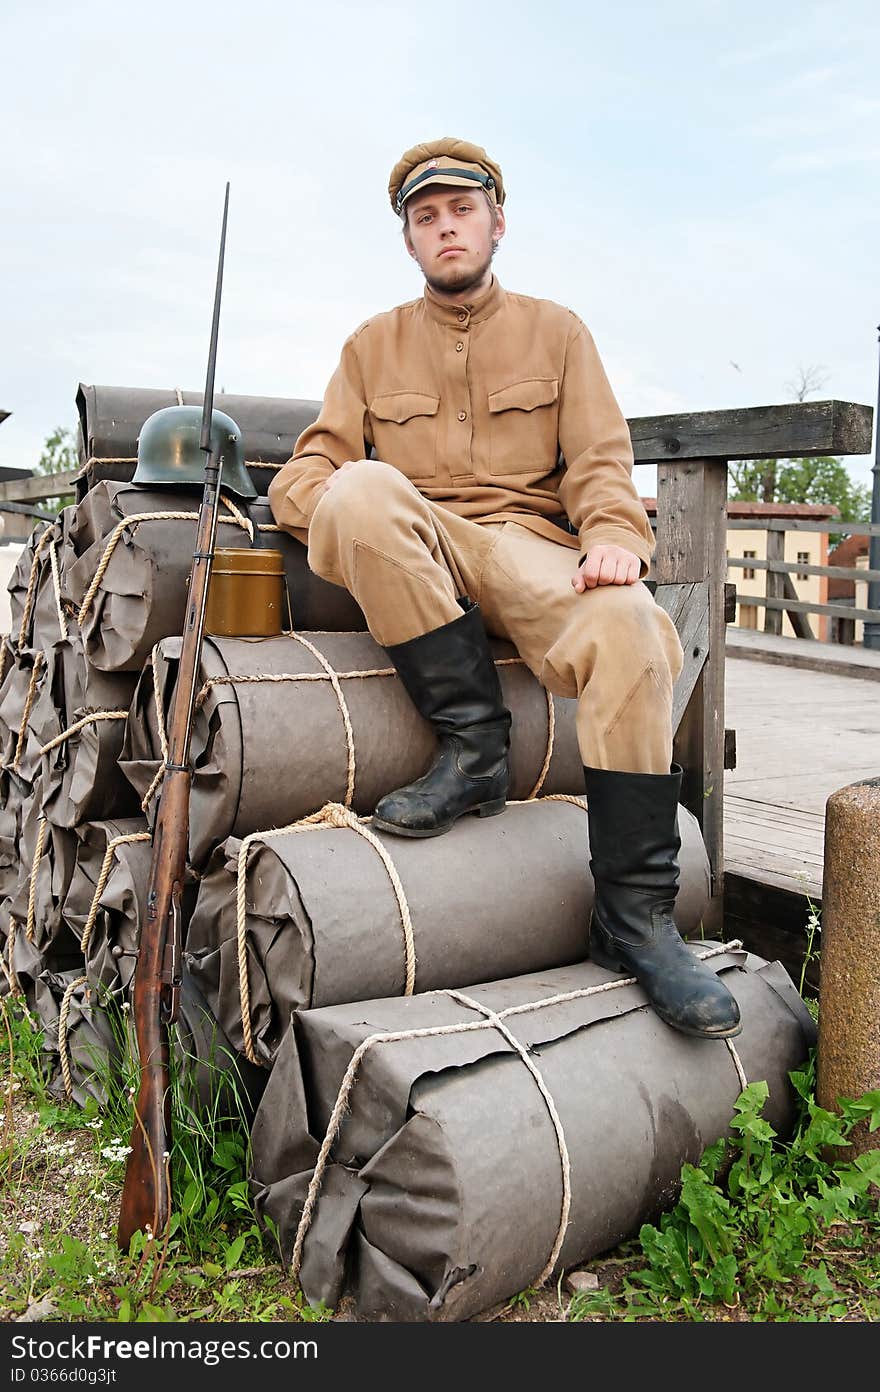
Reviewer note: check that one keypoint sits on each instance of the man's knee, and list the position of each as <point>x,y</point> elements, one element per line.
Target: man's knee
<point>621,627</point>
<point>357,492</point>
<point>627,615</point>
<point>364,503</point>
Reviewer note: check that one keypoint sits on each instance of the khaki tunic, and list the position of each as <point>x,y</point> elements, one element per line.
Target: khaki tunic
<point>478,406</point>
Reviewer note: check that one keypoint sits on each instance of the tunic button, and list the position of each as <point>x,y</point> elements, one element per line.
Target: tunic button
<point>462,415</point>
<point>462,317</point>
<point>458,347</point>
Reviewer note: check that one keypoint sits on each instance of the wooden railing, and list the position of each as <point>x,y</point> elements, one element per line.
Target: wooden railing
<point>780,596</point>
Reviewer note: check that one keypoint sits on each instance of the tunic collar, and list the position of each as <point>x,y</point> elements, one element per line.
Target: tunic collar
<point>475,311</point>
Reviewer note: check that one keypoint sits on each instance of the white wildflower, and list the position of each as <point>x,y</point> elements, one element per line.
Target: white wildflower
<point>116,1151</point>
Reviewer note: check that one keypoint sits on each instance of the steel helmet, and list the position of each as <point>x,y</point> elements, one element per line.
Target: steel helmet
<point>169,452</point>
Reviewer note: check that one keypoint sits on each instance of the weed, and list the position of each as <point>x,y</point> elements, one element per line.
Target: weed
<point>811,953</point>
<point>523,1299</point>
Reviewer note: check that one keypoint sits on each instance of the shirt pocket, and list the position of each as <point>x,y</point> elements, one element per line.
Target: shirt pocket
<point>523,427</point>
<point>405,431</point>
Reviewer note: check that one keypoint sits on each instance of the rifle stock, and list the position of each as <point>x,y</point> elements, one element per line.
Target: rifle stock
<point>146,1198</point>
<point>146,1192</point>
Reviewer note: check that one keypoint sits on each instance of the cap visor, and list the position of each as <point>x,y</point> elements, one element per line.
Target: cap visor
<point>441,179</point>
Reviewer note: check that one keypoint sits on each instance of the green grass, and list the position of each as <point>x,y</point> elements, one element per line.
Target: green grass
<point>63,1168</point>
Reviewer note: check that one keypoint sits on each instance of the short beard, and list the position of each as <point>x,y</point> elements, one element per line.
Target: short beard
<point>461,281</point>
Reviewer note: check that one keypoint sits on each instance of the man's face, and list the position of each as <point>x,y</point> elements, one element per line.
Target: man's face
<point>449,233</point>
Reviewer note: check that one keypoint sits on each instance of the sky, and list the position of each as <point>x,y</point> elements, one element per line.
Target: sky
<point>697,180</point>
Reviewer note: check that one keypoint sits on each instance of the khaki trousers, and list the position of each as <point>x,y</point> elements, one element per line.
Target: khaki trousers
<point>406,560</point>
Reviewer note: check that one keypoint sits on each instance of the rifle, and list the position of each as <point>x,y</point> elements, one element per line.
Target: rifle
<point>146,1193</point>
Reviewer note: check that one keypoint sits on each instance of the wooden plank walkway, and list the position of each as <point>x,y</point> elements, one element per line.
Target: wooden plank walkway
<point>800,735</point>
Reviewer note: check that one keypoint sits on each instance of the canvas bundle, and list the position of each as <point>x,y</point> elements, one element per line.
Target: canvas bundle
<point>426,1157</point>
<point>84,1038</point>
<point>127,579</point>
<point>105,903</point>
<point>284,725</point>
<point>24,675</point>
<point>47,855</point>
<point>38,612</point>
<point>79,721</point>
<point>14,794</point>
<point>330,914</point>
<point>20,589</point>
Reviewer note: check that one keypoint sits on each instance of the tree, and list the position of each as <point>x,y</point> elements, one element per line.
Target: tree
<point>747,480</point>
<point>58,456</point>
<point>819,479</point>
<point>822,479</point>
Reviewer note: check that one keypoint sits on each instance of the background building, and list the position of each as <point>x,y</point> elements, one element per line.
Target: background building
<point>810,548</point>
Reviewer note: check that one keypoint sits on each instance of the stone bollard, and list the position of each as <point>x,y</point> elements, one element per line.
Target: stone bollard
<point>848,1049</point>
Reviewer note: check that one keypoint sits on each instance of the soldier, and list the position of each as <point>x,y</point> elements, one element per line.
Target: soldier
<point>499,499</point>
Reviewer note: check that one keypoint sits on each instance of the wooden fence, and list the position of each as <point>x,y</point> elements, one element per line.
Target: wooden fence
<point>780,595</point>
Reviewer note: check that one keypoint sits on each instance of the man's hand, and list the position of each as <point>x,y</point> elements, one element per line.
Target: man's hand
<point>606,565</point>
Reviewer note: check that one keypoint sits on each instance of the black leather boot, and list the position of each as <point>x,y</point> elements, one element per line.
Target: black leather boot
<point>634,845</point>
<point>451,678</point>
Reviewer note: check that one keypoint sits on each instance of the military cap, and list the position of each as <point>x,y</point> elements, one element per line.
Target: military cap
<point>444,161</point>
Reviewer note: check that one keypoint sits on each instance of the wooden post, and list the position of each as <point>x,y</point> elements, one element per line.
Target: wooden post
<point>774,581</point>
<point>691,546</point>
<point>848,1054</point>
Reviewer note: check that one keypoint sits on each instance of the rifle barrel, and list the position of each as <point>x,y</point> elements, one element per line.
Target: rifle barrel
<point>208,399</point>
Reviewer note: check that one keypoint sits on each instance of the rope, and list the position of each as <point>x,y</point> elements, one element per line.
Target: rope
<point>56,585</point>
<point>39,659</point>
<point>230,679</point>
<point>551,732</point>
<point>103,877</point>
<point>333,815</point>
<point>179,394</point>
<point>5,650</point>
<point>135,520</point>
<point>346,718</point>
<point>160,725</point>
<point>80,724</point>
<point>737,1063</point>
<point>239,516</point>
<point>145,800</point>
<point>110,459</point>
<point>30,928</point>
<point>514,1043</point>
<point>341,1105</point>
<point>10,972</point>
<point>62,1034</point>
<point>32,582</point>
<point>555,797</point>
